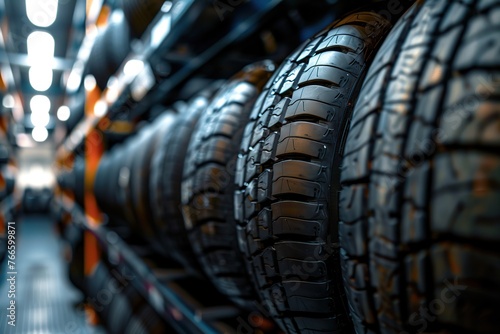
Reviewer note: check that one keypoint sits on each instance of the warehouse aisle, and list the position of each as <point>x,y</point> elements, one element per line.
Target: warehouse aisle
<point>45,299</point>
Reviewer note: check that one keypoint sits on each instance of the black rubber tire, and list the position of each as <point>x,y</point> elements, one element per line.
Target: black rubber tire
<point>98,295</point>
<point>118,184</point>
<point>78,172</point>
<point>10,184</point>
<point>140,13</point>
<point>4,154</point>
<point>147,321</point>
<point>123,165</point>
<point>165,185</point>
<point>288,176</point>
<point>208,183</point>
<point>73,237</point>
<point>73,179</point>
<point>118,39</point>
<point>101,182</point>
<point>420,201</point>
<point>122,309</point>
<point>97,64</point>
<point>140,170</point>
<point>111,46</point>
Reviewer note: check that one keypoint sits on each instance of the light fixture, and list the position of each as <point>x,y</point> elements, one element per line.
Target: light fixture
<point>63,113</point>
<point>42,13</point>
<point>8,101</point>
<point>40,134</point>
<point>40,119</point>
<point>40,104</point>
<point>41,47</point>
<point>40,77</point>
<point>133,67</point>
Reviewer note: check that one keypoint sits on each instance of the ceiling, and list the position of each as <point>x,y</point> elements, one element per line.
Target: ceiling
<point>28,62</point>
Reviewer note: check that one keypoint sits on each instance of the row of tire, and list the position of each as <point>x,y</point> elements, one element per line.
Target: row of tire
<point>354,187</point>
<point>112,45</point>
<point>111,293</point>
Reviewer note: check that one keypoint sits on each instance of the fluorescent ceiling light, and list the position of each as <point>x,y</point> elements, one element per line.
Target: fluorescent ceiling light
<point>40,104</point>
<point>42,13</point>
<point>40,78</point>
<point>41,46</point>
<point>40,119</point>
<point>40,134</point>
<point>63,113</point>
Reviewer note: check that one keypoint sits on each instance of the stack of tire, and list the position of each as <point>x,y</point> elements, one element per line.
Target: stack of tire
<point>113,42</point>
<point>73,180</point>
<point>120,307</point>
<point>111,47</point>
<point>356,189</point>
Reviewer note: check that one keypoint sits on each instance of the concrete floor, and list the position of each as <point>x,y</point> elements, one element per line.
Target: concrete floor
<point>46,302</point>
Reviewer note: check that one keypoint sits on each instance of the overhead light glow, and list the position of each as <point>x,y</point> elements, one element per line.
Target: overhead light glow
<point>40,134</point>
<point>100,108</point>
<point>42,13</point>
<point>8,101</point>
<point>63,113</point>
<point>133,67</point>
<point>40,119</point>
<point>40,104</point>
<point>41,47</point>
<point>40,78</point>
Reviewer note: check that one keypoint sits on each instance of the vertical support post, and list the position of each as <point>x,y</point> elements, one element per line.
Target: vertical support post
<point>94,148</point>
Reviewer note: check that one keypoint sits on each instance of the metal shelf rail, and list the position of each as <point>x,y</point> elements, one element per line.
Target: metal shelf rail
<point>162,91</point>
<point>164,32</point>
<point>159,287</point>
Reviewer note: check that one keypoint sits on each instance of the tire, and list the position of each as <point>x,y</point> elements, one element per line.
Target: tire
<point>171,238</point>
<point>107,182</point>
<point>78,172</point>
<point>140,170</point>
<point>4,155</point>
<point>140,13</point>
<point>111,46</point>
<point>288,176</point>
<point>73,237</point>
<point>102,182</point>
<point>419,206</point>
<point>122,309</point>
<point>124,161</point>
<point>118,39</point>
<point>97,291</point>
<point>147,321</point>
<point>208,183</point>
<point>97,62</point>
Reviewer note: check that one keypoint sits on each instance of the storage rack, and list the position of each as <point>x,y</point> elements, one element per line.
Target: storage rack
<point>162,288</point>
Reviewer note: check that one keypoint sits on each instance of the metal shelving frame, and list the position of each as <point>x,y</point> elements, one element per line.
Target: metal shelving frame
<point>159,286</point>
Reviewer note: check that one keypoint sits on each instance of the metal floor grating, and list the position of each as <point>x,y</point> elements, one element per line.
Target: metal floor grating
<point>46,302</point>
